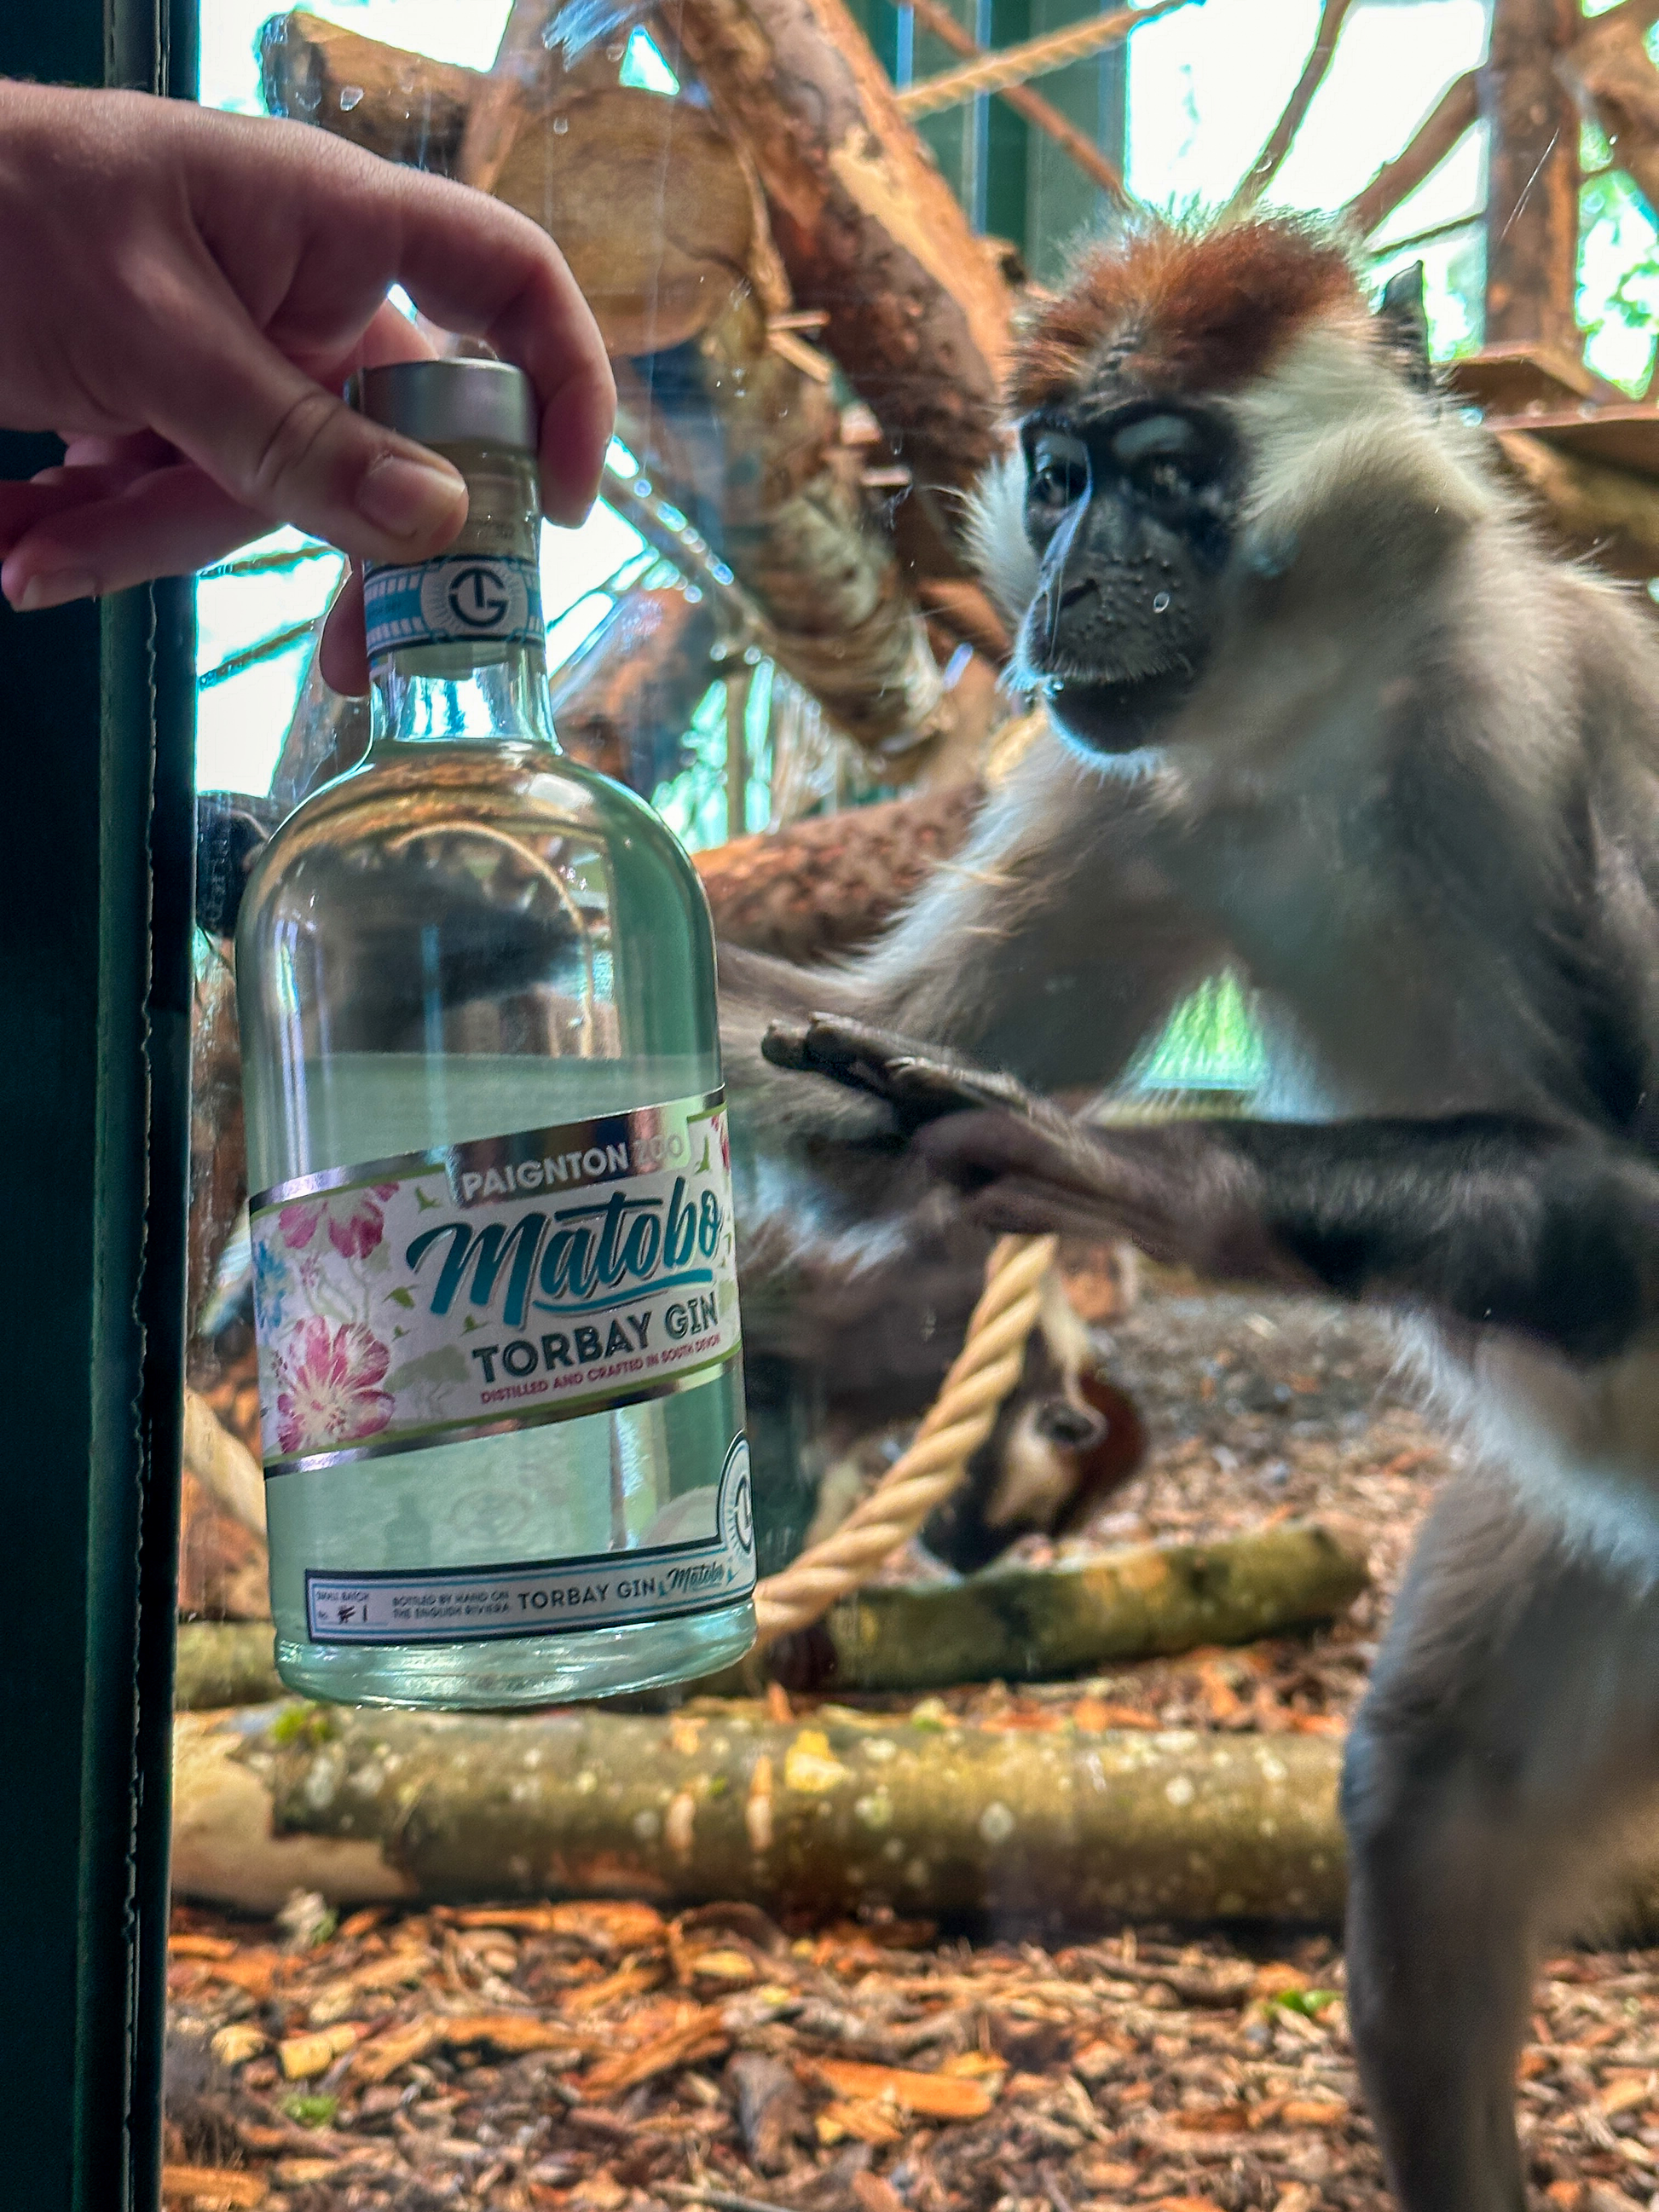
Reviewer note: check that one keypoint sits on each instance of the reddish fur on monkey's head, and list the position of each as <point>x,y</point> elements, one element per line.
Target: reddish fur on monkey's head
<point>1182,310</point>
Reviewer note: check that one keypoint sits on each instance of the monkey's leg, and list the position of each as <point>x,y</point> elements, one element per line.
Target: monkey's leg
<point>1511,1730</point>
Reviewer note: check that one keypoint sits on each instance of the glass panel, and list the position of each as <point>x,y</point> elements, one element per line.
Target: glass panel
<point>1166,660</point>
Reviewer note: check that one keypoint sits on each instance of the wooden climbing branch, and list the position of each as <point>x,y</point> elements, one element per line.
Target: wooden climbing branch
<point>1532,175</point>
<point>1609,69</point>
<point>1457,110</point>
<point>1041,114</point>
<point>1267,164</point>
<point>995,72</point>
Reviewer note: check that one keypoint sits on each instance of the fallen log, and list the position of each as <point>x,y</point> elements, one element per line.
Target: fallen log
<point>404,107</point>
<point>1038,1623</point>
<point>840,1813</point>
<point>824,885</point>
<point>225,1662</point>
<point>1010,1624</point>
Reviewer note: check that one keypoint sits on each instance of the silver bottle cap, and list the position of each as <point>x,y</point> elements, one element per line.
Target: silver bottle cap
<point>450,402</point>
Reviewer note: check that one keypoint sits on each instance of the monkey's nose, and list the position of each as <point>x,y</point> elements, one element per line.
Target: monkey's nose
<point>1077,1428</point>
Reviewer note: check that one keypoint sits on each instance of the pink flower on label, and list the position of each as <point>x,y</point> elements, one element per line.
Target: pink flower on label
<point>298,1222</point>
<point>354,1232</point>
<point>329,1393</point>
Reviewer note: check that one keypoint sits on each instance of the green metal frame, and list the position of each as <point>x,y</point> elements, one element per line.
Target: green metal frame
<point>97,707</point>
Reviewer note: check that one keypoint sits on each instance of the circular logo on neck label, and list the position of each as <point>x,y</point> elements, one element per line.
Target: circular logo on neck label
<point>494,597</point>
<point>479,595</point>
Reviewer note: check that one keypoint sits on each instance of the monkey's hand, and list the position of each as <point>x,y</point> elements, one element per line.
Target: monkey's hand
<point>919,1083</point>
<point>1178,1191</point>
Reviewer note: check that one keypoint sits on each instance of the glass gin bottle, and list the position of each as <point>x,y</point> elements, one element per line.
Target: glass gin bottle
<point>500,1368</point>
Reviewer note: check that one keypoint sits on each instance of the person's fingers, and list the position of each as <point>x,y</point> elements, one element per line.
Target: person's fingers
<point>164,523</point>
<point>280,443</point>
<point>343,653</point>
<point>474,266</point>
<point>56,491</point>
<point>574,386</point>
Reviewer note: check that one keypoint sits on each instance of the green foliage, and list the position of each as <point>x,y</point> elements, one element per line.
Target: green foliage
<point>1309,2002</point>
<point>1210,1042</point>
<point>312,2110</point>
<point>310,1725</point>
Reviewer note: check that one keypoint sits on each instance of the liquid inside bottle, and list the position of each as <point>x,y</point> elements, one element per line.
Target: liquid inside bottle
<point>500,1368</point>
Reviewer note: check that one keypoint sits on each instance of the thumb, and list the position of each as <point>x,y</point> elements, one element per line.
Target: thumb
<point>277,441</point>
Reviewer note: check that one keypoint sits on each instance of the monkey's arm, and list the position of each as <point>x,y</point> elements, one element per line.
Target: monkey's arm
<point>1487,1218</point>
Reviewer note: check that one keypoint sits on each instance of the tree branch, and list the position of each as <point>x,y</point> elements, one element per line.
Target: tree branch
<point>1266,164</point>
<point>1453,113</point>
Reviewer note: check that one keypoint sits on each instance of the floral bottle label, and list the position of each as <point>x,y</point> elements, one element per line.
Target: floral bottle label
<point>496,1285</point>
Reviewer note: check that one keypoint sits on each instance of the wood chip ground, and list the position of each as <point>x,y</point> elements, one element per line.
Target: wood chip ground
<point>601,2058</point>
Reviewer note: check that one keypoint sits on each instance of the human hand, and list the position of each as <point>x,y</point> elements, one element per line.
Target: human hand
<point>186,293</point>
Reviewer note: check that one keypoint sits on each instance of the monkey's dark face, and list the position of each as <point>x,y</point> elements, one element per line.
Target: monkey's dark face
<point>1129,510</point>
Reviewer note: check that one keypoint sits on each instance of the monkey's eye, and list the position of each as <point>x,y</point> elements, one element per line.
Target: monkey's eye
<point>1057,472</point>
<point>1164,454</point>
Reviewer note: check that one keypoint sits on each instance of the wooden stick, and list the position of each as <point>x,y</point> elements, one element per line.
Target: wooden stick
<point>1452,114</point>
<point>1042,114</point>
<point>1266,164</point>
<point>995,72</point>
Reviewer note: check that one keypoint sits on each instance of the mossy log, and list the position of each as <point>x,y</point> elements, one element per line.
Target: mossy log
<point>225,1662</point>
<point>1037,1624</point>
<point>839,1812</point>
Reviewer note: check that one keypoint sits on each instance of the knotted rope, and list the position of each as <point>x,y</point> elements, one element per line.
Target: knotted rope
<point>954,1427</point>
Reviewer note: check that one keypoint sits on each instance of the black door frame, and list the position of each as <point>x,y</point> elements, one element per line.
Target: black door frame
<point>96,851</point>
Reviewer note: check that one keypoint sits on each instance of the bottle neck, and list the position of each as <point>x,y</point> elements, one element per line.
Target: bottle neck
<point>429,696</point>
<point>456,644</point>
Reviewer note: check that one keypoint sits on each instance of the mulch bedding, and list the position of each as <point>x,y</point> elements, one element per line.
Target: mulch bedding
<point>600,2058</point>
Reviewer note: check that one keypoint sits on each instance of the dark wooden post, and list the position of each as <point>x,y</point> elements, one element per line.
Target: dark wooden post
<point>1532,200</point>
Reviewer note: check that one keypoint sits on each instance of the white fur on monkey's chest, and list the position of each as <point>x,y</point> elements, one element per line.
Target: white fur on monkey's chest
<point>1579,1444</point>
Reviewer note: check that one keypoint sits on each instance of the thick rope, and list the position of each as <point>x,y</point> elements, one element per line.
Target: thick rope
<point>955,1426</point>
<point>995,72</point>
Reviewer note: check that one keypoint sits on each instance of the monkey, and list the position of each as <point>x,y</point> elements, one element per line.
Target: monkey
<point>1326,709</point>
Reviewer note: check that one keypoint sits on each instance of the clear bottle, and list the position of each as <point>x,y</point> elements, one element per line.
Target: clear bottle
<point>501,1376</point>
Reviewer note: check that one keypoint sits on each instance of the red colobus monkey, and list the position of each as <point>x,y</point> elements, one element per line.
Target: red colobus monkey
<point>1327,711</point>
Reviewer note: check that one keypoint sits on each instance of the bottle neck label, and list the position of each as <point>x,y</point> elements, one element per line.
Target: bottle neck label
<point>501,1284</point>
<point>494,598</point>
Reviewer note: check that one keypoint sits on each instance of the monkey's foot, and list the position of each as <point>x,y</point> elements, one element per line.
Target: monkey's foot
<point>920,1083</point>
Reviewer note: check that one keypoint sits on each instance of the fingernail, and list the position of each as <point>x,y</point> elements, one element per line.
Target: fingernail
<point>55,588</point>
<point>409,497</point>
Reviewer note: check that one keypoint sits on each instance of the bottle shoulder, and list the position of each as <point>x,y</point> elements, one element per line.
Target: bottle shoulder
<point>528,794</point>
